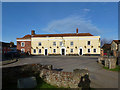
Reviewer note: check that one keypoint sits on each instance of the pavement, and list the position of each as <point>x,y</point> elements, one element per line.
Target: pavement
<point>100,78</point>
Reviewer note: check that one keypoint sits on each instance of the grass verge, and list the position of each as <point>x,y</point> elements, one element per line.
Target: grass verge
<point>115,69</point>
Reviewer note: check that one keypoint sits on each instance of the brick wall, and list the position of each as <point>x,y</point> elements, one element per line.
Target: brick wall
<point>27,46</point>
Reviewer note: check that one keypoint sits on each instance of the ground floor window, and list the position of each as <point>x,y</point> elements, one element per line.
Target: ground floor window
<point>54,50</point>
<point>34,50</point>
<point>94,50</point>
<point>71,50</point>
<point>22,50</point>
<point>88,50</point>
<point>39,50</point>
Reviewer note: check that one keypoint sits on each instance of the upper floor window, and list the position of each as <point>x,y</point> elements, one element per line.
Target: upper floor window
<point>88,42</point>
<point>94,50</point>
<point>54,50</point>
<point>39,44</point>
<point>71,50</point>
<point>60,43</point>
<point>22,44</point>
<point>22,50</point>
<point>34,50</point>
<point>39,50</point>
<point>71,43</point>
<point>88,50</point>
<point>54,43</point>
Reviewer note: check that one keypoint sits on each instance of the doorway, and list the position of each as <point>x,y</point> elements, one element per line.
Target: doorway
<point>80,53</point>
<point>63,51</point>
<point>46,52</point>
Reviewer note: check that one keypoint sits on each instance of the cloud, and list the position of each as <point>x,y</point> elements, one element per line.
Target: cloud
<point>86,10</point>
<point>69,25</point>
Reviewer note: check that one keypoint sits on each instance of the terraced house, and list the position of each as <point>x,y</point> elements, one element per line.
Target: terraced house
<point>60,44</point>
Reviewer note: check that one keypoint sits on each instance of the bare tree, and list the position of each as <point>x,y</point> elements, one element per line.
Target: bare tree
<point>105,41</point>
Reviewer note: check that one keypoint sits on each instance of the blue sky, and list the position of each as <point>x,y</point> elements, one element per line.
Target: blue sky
<point>97,18</point>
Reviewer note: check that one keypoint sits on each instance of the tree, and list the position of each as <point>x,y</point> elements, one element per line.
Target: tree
<point>105,41</point>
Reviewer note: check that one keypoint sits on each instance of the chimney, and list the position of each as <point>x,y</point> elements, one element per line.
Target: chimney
<point>33,32</point>
<point>77,30</point>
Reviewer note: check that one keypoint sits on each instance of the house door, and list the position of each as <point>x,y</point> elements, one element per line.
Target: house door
<point>80,52</point>
<point>63,51</point>
<point>46,52</point>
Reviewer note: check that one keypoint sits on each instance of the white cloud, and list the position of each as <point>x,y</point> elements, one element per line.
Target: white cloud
<point>86,10</point>
<point>69,25</point>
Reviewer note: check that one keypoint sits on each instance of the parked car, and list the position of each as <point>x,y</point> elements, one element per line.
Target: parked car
<point>12,54</point>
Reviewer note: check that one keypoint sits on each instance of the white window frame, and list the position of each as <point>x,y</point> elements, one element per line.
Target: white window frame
<point>39,43</point>
<point>39,49</point>
<point>90,50</point>
<point>96,50</point>
<point>22,50</point>
<point>72,44</point>
<point>61,44</point>
<point>54,43</point>
<point>33,50</point>
<point>53,50</point>
<point>88,41</point>
<point>21,44</point>
<point>71,50</point>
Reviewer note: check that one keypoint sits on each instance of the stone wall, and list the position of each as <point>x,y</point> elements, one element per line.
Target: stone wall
<point>77,78</point>
<point>109,62</point>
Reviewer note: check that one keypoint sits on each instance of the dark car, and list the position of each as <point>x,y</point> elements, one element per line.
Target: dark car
<point>12,54</point>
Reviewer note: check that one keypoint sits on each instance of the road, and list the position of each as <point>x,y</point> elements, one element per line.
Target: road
<point>100,78</point>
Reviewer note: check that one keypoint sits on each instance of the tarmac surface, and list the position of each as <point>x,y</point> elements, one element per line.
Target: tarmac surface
<point>100,78</point>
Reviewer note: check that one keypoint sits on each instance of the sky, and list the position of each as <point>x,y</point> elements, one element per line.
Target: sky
<point>97,18</point>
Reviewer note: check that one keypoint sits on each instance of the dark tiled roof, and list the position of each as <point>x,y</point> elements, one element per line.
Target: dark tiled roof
<point>106,46</point>
<point>25,37</point>
<point>63,35</point>
<point>117,41</point>
<point>7,45</point>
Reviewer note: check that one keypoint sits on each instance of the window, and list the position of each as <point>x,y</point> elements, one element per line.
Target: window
<point>39,44</point>
<point>60,43</point>
<point>71,43</point>
<point>54,43</point>
<point>22,50</point>
<point>54,50</point>
<point>22,44</point>
<point>88,50</point>
<point>34,50</point>
<point>88,42</point>
<point>71,50</point>
<point>94,50</point>
<point>39,50</point>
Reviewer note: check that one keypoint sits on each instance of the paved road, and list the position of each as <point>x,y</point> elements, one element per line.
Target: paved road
<point>100,78</point>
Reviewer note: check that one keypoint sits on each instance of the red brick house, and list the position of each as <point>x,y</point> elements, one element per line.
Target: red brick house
<point>24,43</point>
<point>105,49</point>
<point>7,47</point>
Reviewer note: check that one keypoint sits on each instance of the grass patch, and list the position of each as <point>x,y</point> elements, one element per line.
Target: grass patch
<point>43,84</point>
<point>115,69</point>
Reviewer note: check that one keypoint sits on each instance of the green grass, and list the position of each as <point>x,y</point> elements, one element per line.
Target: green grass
<point>43,84</point>
<point>115,69</point>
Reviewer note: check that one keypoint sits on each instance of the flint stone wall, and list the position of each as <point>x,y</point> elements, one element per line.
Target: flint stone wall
<point>76,79</point>
<point>108,62</point>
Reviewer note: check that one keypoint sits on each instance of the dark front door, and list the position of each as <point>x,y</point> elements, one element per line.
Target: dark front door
<point>80,51</point>
<point>63,51</point>
<point>45,51</point>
